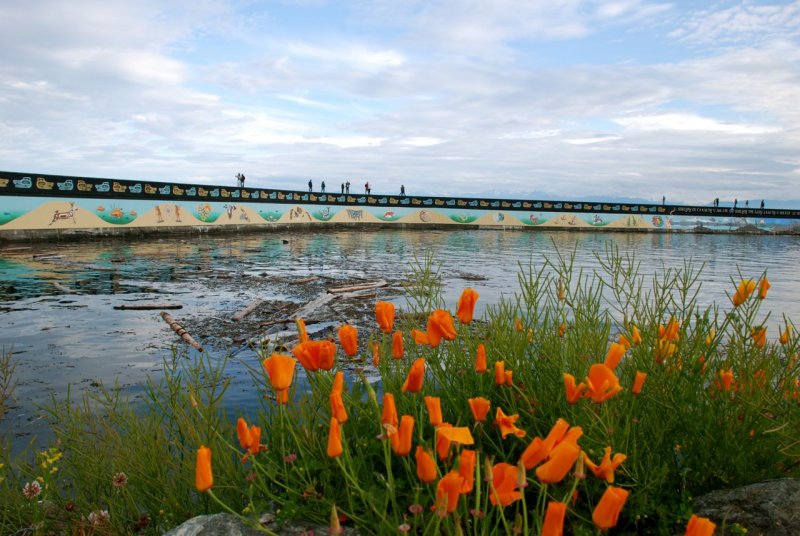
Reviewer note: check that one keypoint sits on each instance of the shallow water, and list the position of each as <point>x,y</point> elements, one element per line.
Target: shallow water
<point>78,339</point>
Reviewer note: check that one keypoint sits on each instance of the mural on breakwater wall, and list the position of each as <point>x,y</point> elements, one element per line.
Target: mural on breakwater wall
<point>49,202</point>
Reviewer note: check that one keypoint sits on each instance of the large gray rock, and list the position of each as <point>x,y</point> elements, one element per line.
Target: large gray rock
<point>229,525</point>
<point>764,509</point>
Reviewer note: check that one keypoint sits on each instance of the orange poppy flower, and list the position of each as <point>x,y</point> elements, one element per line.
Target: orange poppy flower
<point>663,350</point>
<point>466,468</point>
<point>504,485</point>
<point>348,338</point>
<point>669,333</point>
<point>561,291</point>
<point>280,369</point>
<point>763,287</point>
<point>420,337</point>
<point>509,377</point>
<point>638,382</point>
<point>606,513</point>
<point>562,329</point>
<point>376,354</point>
<point>499,373</point>
<point>401,439</point>
<point>602,383</point>
<point>249,438</point>
<point>480,407</point>
<point>746,287</point>
<point>607,467</point>
<point>760,336</point>
<point>434,406</point>
<point>338,411</point>
<point>726,378</point>
<point>480,359</point>
<point>426,465</point>
<point>700,526</point>
<point>455,434</point>
<point>397,345</point>
<point>561,460</point>
<point>203,477</point>
<point>389,416</point>
<point>416,375</point>
<point>506,424</point>
<point>315,355</point>
<point>518,324</point>
<point>636,336</point>
<point>338,381</point>
<point>334,439</point>
<point>440,326</point>
<point>447,491</point>
<point>623,340</point>
<point>554,519</point>
<point>540,449</point>
<point>384,313</point>
<point>466,305</point>
<point>302,334</point>
<point>615,353</point>
<point>443,441</point>
<point>243,432</point>
<point>784,338</point>
<point>574,392</point>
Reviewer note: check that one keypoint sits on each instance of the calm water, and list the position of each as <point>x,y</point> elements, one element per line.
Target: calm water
<point>79,339</point>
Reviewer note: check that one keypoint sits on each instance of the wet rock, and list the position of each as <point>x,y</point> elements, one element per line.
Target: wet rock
<point>764,509</point>
<point>228,525</point>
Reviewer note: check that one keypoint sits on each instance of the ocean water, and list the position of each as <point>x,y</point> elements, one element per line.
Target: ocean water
<point>78,339</point>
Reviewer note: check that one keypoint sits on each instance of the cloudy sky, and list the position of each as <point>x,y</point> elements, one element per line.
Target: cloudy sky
<point>568,99</point>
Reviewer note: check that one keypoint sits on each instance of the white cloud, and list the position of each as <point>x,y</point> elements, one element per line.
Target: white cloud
<point>421,141</point>
<point>683,122</point>
<point>743,22</point>
<point>592,140</point>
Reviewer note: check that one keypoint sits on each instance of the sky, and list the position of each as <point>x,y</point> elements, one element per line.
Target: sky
<point>567,99</point>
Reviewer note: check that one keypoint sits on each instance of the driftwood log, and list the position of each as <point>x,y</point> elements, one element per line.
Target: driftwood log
<point>362,286</point>
<point>247,310</point>
<point>181,331</point>
<point>63,288</point>
<point>148,306</point>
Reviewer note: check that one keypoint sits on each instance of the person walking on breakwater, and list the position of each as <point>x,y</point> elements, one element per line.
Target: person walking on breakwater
<point>762,203</point>
<point>347,187</point>
<point>402,190</point>
<point>322,187</point>
<point>310,185</point>
<point>747,203</point>
<point>343,188</point>
<point>366,187</point>
<point>663,200</point>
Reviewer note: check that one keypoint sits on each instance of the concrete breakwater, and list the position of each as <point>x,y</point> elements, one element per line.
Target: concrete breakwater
<point>45,206</point>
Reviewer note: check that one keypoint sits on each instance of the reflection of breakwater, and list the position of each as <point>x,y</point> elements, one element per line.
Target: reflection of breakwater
<point>46,205</point>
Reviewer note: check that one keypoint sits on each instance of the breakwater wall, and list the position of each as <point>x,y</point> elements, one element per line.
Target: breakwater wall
<point>48,206</point>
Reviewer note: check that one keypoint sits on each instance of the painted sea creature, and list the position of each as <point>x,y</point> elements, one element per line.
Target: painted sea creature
<point>43,184</point>
<point>389,214</point>
<point>118,188</point>
<point>424,216</point>
<point>103,186</point>
<point>65,214</point>
<point>135,189</point>
<point>355,215</point>
<point>24,182</point>
<point>66,185</point>
<point>101,208</point>
<point>116,213</point>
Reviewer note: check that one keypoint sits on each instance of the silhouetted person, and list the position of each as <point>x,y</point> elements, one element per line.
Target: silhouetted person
<point>322,187</point>
<point>347,187</point>
<point>310,185</point>
<point>747,203</point>
<point>735,201</point>
<point>762,203</point>
<point>663,200</point>
<point>366,188</point>
<point>342,187</point>
<point>402,190</point>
